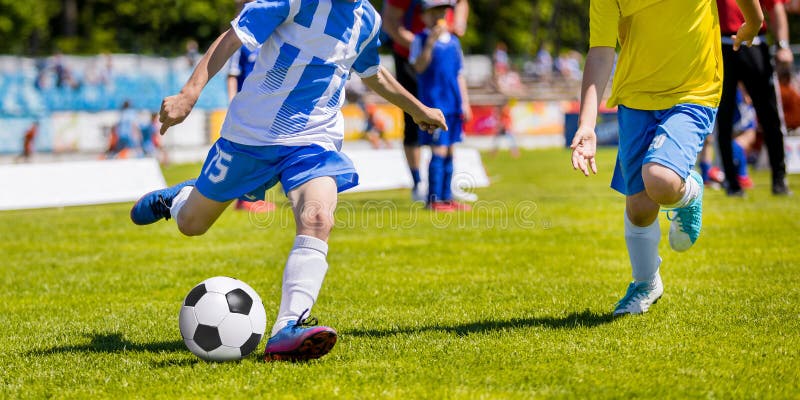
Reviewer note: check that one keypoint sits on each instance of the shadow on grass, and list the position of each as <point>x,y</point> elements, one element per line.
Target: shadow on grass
<point>113,343</point>
<point>584,319</point>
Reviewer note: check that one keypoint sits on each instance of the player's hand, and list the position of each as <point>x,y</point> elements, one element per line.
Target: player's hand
<point>745,35</point>
<point>174,109</point>
<point>466,113</point>
<point>430,120</point>
<point>785,57</point>
<point>584,148</point>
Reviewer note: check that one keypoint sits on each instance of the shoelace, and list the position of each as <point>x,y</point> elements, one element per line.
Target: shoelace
<point>310,321</point>
<point>686,224</point>
<point>633,294</point>
<point>160,207</point>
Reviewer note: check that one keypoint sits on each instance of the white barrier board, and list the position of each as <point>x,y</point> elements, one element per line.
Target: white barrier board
<point>24,186</point>
<point>792,145</point>
<point>387,169</point>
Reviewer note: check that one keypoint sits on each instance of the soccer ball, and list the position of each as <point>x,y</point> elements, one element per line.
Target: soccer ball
<point>222,319</point>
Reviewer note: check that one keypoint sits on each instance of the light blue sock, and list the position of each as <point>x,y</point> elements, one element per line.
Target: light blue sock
<point>642,245</point>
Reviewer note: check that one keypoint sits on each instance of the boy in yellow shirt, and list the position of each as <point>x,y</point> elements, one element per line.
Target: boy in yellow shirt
<point>667,85</point>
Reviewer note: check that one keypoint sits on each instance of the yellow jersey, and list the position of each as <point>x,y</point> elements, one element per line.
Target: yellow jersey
<point>670,51</point>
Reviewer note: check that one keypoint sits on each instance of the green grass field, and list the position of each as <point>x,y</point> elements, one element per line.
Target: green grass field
<point>510,301</point>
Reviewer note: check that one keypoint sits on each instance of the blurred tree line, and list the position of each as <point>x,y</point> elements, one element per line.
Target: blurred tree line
<point>164,27</point>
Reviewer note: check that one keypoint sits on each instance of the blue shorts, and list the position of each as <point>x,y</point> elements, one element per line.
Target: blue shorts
<point>443,138</point>
<point>671,138</point>
<point>234,170</point>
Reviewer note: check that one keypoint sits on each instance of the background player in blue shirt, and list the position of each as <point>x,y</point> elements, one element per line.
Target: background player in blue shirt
<point>437,58</point>
<point>285,125</point>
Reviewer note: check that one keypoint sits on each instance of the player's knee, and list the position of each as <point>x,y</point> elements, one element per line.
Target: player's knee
<point>317,222</point>
<point>661,183</point>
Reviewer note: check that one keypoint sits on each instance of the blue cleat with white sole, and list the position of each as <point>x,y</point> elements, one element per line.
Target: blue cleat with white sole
<point>685,222</point>
<point>155,205</point>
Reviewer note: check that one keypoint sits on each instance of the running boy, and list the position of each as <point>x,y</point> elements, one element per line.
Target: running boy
<point>667,84</point>
<point>285,125</point>
<point>436,56</point>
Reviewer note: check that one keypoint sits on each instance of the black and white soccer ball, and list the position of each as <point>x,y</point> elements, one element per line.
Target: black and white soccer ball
<point>222,319</point>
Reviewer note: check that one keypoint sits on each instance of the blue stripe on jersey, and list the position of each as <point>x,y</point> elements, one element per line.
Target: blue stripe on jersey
<point>305,16</point>
<point>314,82</point>
<point>340,22</point>
<point>259,19</point>
<point>275,76</point>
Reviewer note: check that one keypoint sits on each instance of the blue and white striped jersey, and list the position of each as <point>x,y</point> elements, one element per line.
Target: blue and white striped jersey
<point>294,95</point>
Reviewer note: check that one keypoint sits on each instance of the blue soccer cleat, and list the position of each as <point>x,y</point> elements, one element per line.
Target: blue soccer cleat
<point>639,297</point>
<point>686,221</point>
<point>300,340</point>
<point>155,205</point>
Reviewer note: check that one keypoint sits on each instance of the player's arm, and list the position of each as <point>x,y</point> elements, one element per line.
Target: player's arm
<point>599,63</point>
<point>174,109</point>
<point>466,108</point>
<point>780,29</point>
<point>422,53</point>
<point>753,18</point>
<point>393,25</point>
<point>460,17</point>
<point>385,85</point>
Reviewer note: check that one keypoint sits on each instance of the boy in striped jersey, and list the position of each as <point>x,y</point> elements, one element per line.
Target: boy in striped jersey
<point>285,125</point>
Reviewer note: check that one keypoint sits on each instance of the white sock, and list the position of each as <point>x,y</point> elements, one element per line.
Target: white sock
<point>642,245</point>
<point>179,201</point>
<point>302,278</point>
<point>691,191</point>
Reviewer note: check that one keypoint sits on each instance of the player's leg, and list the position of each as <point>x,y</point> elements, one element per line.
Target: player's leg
<point>642,235</point>
<point>668,170</point>
<point>733,70</point>
<point>294,336</point>
<point>436,174</point>
<point>760,86</point>
<point>195,213</point>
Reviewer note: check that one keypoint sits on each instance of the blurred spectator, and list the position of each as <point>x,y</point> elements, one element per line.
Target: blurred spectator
<point>27,142</point>
<point>543,66</point>
<point>500,59</point>
<point>506,80</point>
<point>64,76</point>
<point>504,132</point>
<point>790,98</point>
<point>99,71</point>
<point>151,139</point>
<point>127,134</point>
<point>568,65</point>
<point>192,53</point>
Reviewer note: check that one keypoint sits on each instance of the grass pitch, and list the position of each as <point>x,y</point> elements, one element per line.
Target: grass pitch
<point>512,300</point>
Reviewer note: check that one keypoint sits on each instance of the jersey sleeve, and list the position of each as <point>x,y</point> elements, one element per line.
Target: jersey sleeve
<point>604,18</point>
<point>415,50</point>
<point>258,20</point>
<point>368,60</point>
